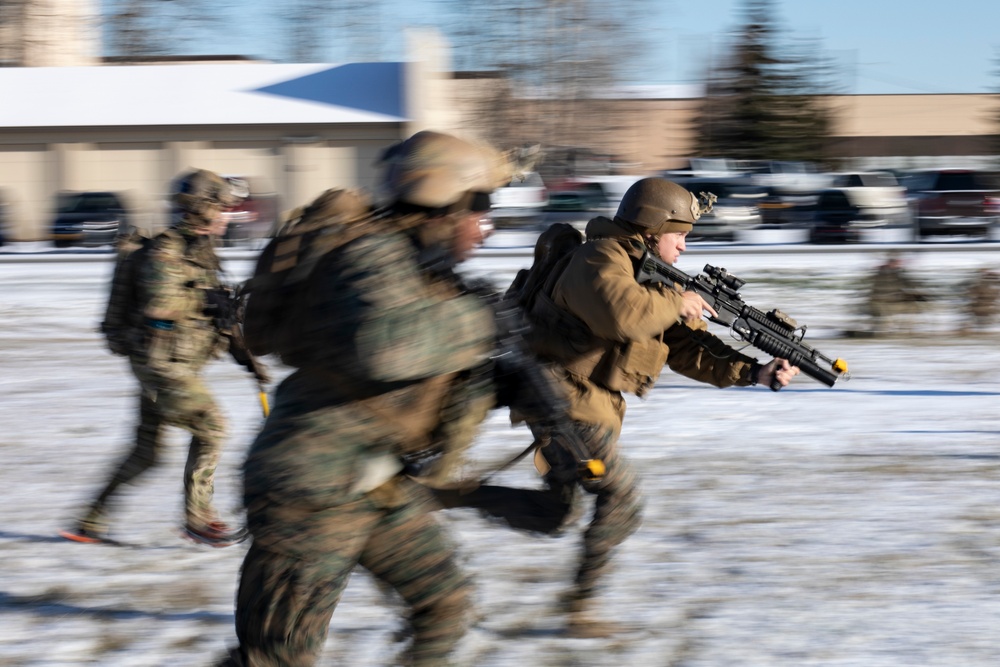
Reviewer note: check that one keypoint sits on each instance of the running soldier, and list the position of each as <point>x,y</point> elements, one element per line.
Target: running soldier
<point>606,335</point>
<point>392,363</point>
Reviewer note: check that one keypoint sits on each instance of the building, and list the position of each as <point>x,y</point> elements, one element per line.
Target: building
<point>296,130</point>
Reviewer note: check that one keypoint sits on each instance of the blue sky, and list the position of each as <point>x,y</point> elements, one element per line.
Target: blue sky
<point>880,46</point>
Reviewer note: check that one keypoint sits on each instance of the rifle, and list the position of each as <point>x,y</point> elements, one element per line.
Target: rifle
<point>227,310</point>
<point>539,397</point>
<point>773,332</point>
<point>238,350</point>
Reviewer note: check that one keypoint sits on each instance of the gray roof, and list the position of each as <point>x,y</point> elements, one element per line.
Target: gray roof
<point>209,94</point>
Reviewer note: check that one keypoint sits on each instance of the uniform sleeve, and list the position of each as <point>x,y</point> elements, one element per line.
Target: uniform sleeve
<point>165,281</point>
<point>387,323</point>
<point>700,355</point>
<point>598,287</point>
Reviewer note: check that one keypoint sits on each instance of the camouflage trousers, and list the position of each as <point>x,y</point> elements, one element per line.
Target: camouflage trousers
<point>617,508</point>
<point>183,401</point>
<point>299,564</point>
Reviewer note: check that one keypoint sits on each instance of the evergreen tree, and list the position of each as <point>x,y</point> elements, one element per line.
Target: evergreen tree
<point>765,100</point>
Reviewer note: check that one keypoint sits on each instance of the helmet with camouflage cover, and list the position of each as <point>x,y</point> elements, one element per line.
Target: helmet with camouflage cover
<point>199,192</point>
<point>659,206</point>
<point>437,171</point>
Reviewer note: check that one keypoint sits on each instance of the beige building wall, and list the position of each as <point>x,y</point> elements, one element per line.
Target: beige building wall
<point>294,163</point>
<point>25,185</point>
<point>915,115</point>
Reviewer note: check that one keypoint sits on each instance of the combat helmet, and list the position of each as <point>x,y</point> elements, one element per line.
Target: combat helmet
<point>199,191</point>
<point>440,172</point>
<point>658,206</point>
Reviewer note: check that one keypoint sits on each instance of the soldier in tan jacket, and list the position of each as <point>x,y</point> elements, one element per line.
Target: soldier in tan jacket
<point>607,335</point>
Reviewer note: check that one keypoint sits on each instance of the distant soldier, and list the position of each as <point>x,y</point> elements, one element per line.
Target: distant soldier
<point>893,293</point>
<point>982,300</point>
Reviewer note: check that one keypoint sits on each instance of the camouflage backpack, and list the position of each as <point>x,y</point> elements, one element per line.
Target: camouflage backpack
<point>270,323</point>
<point>122,317</point>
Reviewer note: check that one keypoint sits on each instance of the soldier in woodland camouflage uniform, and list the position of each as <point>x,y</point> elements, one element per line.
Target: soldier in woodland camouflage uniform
<point>607,335</point>
<point>178,333</point>
<point>386,362</point>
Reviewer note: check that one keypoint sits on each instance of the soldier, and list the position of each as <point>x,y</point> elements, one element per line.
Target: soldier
<point>391,364</point>
<point>606,335</point>
<point>893,293</point>
<point>179,315</point>
<point>982,300</point>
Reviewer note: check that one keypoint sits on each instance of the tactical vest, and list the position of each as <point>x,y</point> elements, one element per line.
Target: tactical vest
<point>278,301</point>
<point>559,336</point>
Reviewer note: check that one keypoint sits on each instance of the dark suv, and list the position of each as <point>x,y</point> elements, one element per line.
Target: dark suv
<point>88,219</point>
<point>953,201</point>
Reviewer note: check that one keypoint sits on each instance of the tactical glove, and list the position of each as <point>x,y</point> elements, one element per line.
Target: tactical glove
<point>221,307</point>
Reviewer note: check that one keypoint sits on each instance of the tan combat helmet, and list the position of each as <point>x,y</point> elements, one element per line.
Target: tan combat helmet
<point>433,170</point>
<point>197,191</point>
<point>660,206</point>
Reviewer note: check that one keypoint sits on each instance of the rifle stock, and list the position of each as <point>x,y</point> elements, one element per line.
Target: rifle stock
<point>772,332</point>
<point>540,397</point>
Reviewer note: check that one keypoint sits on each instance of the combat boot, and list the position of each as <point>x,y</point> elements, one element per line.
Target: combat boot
<point>582,622</point>
<point>91,529</point>
<point>215,534</point>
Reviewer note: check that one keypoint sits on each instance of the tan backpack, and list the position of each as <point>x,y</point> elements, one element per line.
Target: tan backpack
<point>270,323</point>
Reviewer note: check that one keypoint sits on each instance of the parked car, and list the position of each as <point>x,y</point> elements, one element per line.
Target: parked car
<point>5,236</point>
<point>255,217</point>
<point>862,207</point>
<point>737,207</point>
<point>520,202</point>
<point>575,207</point>
<point>608,189</point>
<point>953,201</point>
<point>88,219</point>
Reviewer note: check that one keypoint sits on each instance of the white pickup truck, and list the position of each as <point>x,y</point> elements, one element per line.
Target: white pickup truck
<point>520,203</point>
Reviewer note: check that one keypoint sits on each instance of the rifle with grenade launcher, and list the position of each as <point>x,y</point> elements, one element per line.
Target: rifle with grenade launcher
<point>772,332</point>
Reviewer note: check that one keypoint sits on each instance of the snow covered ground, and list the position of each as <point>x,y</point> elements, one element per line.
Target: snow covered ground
<point>852,526</point>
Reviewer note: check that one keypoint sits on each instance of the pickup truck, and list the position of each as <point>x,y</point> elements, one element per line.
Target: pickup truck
<point>953,202</point>
<point>519,203</point>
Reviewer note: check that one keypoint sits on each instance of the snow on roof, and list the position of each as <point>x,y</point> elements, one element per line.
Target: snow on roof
<point>211,94</point>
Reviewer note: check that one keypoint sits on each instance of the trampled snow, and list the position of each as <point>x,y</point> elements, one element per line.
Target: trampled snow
<point>852,526</point>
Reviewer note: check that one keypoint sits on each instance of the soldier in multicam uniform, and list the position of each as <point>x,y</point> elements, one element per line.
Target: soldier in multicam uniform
<point>178,333</point>
<point>893,293</point>
<point>386,369</point>
<point>607,335</point>
<point>982,300</point>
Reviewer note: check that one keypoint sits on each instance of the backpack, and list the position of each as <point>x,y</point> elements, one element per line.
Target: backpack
<point>552,251</point>
<point>271,322</point>
<point>122,317</point>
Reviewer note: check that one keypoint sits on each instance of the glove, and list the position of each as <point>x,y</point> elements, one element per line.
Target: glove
<point>221,307</point>
<point>480,287</point>
<point>243,357</point>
